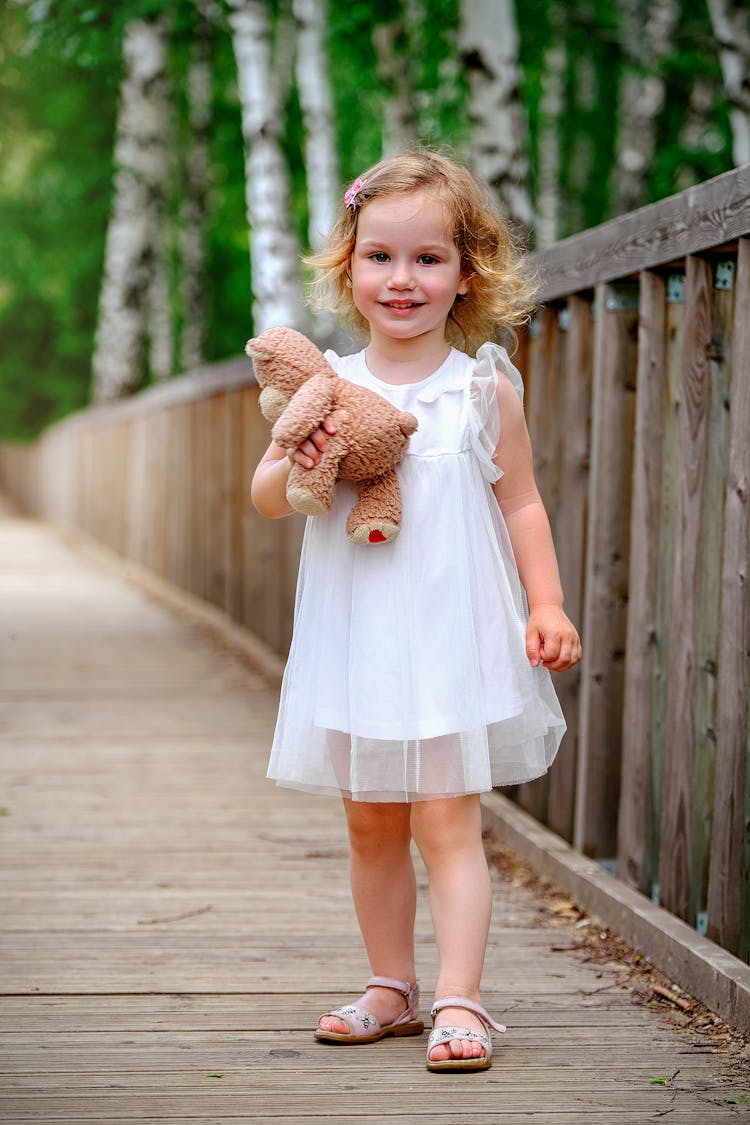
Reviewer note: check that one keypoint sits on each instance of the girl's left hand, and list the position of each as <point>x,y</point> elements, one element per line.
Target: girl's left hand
<point>552,639</point>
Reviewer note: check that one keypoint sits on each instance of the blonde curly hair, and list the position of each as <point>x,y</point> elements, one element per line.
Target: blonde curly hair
<point>499,296</point>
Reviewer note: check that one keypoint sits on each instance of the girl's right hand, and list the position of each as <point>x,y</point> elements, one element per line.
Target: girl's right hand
<point>309,453</point>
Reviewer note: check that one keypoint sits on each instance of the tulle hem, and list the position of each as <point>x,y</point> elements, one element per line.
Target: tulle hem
<point>396,797</point>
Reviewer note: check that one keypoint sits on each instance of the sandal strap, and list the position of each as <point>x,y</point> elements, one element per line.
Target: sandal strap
<point>408,991</point>
<point>468,1006</point>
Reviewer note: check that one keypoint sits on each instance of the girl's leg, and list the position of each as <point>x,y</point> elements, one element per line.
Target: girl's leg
<point>384,893</point>
<point>448,833</point>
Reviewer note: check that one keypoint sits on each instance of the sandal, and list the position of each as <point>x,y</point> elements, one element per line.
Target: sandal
<point>444,1034</point>
<point>364,1027</point>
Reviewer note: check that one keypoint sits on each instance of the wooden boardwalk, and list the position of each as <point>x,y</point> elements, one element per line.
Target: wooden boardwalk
<point>172,924</point>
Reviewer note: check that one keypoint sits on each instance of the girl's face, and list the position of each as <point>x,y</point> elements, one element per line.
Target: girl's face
<point>405,268</point>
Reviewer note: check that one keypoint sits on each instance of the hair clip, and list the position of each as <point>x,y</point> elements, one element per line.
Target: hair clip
<point>350,196</point>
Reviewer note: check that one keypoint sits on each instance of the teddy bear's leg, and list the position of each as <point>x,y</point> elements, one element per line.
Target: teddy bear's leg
<point>310,491</point>
<point>376,517</point>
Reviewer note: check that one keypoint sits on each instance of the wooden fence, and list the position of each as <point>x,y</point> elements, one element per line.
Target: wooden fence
<point>163,478</point>
<point>639,408</point>
<point>638,399</point>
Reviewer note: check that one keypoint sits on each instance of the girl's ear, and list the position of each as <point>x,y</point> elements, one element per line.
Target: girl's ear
<point>464,285</point>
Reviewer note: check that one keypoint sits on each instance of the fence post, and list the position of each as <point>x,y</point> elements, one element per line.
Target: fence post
<point>725,873</point>
<point>677,889</point>
<point>607,549</point>
<point>635,790</point>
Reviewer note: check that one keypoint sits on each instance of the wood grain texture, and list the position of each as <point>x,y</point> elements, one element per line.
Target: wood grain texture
<point>570,541</point>
<point>606,579</point>
<point>703,217</point>
<point>645,521</point>
<point>169,916</point>
<point>677,887</point>
<point>726,869</point>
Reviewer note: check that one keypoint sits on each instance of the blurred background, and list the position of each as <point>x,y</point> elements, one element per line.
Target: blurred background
<point>164,163</point>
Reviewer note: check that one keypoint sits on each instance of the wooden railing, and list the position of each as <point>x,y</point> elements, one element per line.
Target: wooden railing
<point>639,408</point>
<point>638,399</point>
<point>163,478</point>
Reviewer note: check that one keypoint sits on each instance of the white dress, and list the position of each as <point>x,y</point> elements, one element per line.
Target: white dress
<point>407,677</point>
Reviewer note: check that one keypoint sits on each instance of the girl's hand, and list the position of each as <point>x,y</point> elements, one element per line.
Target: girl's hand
<point>308,454</point>
<point>552,639</point>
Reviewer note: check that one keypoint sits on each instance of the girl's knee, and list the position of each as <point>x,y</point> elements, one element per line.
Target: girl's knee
<point>447,825</point>
<point>377,825</point>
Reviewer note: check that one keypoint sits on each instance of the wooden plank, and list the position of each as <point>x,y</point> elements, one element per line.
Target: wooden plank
<point>674,344</point>
<point>541,405</point>
<point>133,776</point>
<point>179,509</point>
<point>725,880</point>
<point>704,216</point>
<point>645,522</point>
<point>709,610</point>
<point>705,970</point>
<point>570,539</point>
<point>236,492</point>
<point>677,891</point>
<point>606,584</point>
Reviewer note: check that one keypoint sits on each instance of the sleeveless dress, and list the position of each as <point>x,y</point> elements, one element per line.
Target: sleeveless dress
<point>407,677</point>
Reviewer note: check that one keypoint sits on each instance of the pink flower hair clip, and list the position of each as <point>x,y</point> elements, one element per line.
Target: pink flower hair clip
<point>350,196</point>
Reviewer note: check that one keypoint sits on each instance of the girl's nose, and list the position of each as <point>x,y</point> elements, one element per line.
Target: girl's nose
<point>401,278</point>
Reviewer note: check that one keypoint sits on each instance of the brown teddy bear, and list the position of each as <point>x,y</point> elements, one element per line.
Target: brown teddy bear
<point>299,389</point>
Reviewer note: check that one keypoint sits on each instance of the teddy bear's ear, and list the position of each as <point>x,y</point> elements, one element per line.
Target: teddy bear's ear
<point>259,356</point>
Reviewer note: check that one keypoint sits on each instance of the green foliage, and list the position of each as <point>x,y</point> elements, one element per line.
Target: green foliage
<point>55,173</point>
<point>60,66</point>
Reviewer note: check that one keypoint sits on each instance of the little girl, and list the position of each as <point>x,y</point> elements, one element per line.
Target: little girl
<point>417,677</point>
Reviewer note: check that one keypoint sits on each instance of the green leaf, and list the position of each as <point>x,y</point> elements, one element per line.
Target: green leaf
<point>659,1081</point>
<point>214,1075</point>
<point>740,1100</point>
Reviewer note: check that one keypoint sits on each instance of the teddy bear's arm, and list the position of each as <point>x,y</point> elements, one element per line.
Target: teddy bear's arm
<point>305,411</point>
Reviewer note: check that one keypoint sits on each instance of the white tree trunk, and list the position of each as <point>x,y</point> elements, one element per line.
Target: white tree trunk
<point>580,157</point>
<point>548,194</point>
<point>193,211</point>
<point>731,23</point>
<point>400,133</point>
<point>646,29</point>
<point>316,103</point>
<point>159,312</point>
<point>139,160</point>
<point>274,250</point>
<point>489,46</point>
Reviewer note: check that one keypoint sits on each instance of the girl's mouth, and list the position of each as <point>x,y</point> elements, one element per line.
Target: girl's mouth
<point>402,304</point>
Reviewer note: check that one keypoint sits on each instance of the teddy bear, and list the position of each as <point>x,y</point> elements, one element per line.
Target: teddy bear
<point>299,388</point>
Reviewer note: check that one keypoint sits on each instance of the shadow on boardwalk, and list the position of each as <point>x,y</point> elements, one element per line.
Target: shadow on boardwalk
<point>172,924</point>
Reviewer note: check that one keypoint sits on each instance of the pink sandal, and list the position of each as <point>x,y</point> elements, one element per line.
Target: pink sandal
<point>444,1035</point>
<point>364,1027</point>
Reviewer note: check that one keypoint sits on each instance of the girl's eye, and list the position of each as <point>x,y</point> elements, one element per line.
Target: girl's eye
<point>379,256</point>
<point>427,259</point>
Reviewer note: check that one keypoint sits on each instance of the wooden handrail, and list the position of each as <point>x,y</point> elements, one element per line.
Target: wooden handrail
<point>702,218</point>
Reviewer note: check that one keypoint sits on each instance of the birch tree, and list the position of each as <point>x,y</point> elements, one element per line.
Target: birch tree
<point>140,166</point>
<point>400,133</point>
<point>549,159</point>
<point>489,46</point>
<point>730,20</point>
<point>159,305</point>
<point>316,103</point>
<point>274,250</point>
<point>646,30</point>
<point>193,209</point>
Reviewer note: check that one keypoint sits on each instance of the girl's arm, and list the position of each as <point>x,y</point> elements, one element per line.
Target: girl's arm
<point>268,490</point>
<point>551,638</point>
